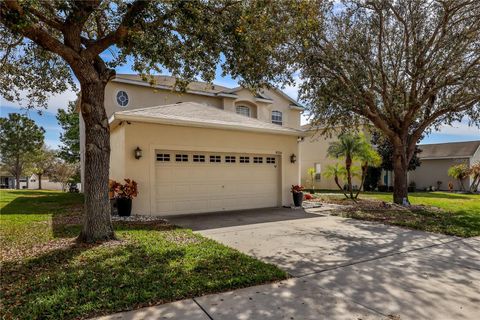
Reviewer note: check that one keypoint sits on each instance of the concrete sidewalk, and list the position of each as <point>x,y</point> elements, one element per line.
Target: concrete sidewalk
<point>343,269</point>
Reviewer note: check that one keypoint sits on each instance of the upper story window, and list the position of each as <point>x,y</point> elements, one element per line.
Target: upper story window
<point>243,110</point>
<point>277,117</point>
<point>122,98</point>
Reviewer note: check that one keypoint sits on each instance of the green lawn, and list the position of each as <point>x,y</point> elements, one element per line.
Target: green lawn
<point>459,214</point>
<point>46,275</point>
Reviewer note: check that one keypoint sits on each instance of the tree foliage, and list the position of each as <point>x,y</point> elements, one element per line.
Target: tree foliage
<point>41,163</point>
<point>45,43</point>
<point>63,172</point>
<point>337,172</point>
<point>70,137</point>
<point>405,66</point>
<point>459,172</point>
<point>475,174</point>
<point>20,139</point>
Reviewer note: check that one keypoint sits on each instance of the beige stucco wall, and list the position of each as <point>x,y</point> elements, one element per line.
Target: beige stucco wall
<point>143,97</point>
<point>431,171</point>
<point>150,137</point>
<point>118,155</point>
<point>313,149</point>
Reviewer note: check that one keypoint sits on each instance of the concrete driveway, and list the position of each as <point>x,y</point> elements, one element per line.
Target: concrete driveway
<point>341,269</point>
<point>385,269</point>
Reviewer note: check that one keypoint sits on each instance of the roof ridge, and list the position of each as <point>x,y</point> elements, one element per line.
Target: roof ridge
<point>222,87</point>
<point>448,142</point>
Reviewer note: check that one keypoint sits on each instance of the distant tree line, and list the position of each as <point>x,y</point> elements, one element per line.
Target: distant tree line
<point>23,151</point>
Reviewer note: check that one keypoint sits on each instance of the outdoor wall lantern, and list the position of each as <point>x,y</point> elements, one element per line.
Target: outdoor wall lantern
<point>138,153</point>
<point>293,158</point>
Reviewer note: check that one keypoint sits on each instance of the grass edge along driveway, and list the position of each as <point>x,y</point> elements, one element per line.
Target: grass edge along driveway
<point>440,212</point>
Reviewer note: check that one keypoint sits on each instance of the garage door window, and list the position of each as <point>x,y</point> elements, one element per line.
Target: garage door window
<point>257,159</point>
<point>163,157</point>
<point>244,159</point>
<point>270,160</point>
<point>230,159</point>
<point>215,159</point>
<point>198,158</point>
<point>181,157</point>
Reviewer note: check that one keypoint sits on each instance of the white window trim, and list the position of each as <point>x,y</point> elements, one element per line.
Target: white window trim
<point>244,108</point>
<point>276,121</point>
<point>115,99</point>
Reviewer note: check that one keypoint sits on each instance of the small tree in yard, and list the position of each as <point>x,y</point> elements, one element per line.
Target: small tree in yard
<point>405,66</point>
<point>20,140</point>
<point>475,174</point>
<point>44,43</point>
<point>459,172</point>
<point>353,147</point>
<point>70,137</point>
<point>311,173</point>
<point>336,172</point>
<point>42,162</point>
<point>369,158</point>
<point>63,172</point>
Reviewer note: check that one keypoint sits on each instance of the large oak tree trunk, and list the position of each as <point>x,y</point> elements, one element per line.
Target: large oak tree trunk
<point>400,168</point>
<point>39,176</point>
<point>97,225</point>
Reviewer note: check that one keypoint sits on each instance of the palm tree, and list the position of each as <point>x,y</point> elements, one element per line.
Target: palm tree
<point>336,172</point>
<point>348,146</point>
<point>459,172</point>
<point>475,173</point>
<point>369,157</point>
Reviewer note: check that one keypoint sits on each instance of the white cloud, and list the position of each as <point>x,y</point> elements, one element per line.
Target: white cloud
<point>53,144</point>
<point>55,102</point>
<point>458,129</point>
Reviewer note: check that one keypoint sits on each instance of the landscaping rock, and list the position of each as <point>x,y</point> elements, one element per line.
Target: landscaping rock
<point>138,218</point>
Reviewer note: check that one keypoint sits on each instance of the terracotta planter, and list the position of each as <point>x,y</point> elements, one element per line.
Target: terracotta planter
<point>124,207</point>
<point>297,198</point>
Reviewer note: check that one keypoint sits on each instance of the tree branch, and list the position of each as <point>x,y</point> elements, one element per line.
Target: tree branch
<point>11,11</point>
<point>97,47</point>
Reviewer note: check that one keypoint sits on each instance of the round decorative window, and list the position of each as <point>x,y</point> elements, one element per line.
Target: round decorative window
<point>122,98</point>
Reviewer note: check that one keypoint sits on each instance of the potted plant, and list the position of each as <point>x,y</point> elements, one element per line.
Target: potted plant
<point>123,195</point>
<point>297,195</point>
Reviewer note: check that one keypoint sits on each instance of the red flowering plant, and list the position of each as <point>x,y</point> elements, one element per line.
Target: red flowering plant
<point>308,196</point>
<point>296,188</point>
<point>128,190</point>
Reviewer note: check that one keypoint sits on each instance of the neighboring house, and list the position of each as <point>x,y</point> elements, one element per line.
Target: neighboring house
<point>313,154</point>
<point>47,183</point>
<point>211,148</point>
<point>7,181</point>
<point>437,158</point>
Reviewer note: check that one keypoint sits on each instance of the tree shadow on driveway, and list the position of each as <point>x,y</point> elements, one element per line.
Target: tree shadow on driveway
<point>215,220</point>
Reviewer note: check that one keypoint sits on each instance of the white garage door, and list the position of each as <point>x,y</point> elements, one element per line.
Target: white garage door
<point>194,182</point>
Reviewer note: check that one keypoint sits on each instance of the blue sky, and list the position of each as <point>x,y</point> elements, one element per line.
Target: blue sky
<point>458,132</point>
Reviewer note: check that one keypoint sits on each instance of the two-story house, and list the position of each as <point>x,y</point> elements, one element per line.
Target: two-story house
<point>211,148</point>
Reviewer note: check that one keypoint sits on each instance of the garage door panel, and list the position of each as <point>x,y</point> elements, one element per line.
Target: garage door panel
<point>190,187</point>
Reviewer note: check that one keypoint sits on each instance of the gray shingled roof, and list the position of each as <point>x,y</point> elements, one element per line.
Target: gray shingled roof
<point>169,81</point>
<point>197,114</point>
<point>449,150</point>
